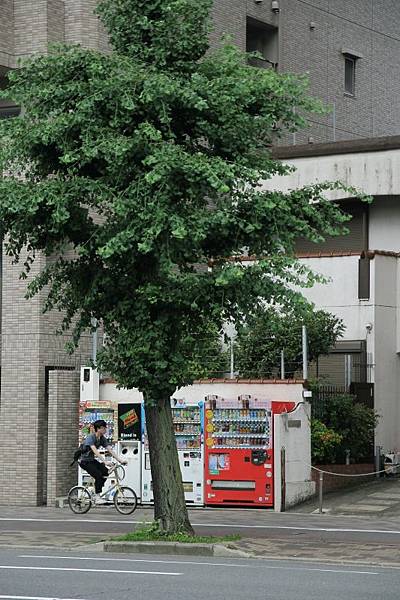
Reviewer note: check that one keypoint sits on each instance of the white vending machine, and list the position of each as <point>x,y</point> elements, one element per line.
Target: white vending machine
<point>188,423</point>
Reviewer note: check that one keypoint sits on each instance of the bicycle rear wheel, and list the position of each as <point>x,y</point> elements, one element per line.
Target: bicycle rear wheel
<point>125,500</point>
<point>79,500</point>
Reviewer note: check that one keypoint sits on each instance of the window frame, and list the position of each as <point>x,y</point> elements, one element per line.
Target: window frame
<point>350,60</point>
<point>266,36</point>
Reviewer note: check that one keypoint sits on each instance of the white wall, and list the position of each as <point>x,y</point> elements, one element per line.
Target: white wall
<point>387,361</point>
<point>297,444</point>
<point>110,392</point>
<point>289,392</point>
<point>384,224</point>
<point>340,295</point>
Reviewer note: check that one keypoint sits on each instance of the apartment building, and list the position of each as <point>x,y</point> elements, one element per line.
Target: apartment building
<point>361,269</point>
<point>350,51</point>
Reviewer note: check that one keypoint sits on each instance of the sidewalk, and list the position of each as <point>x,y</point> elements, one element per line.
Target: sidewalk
<point>380,497</point>
<point>297,534</point>
<point>324,551</point>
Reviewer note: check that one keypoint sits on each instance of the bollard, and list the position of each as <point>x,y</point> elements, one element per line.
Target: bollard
<point>378,452</point>
<point>321,486</point>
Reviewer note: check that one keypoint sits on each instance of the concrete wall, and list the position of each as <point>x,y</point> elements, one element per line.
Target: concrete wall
<point>374,173</point>
<point>293,434</point>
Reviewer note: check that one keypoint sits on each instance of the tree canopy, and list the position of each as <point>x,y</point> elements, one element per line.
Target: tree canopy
<point>150,170</point>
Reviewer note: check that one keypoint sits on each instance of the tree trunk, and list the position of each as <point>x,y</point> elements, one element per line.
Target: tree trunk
<point>169,498</point>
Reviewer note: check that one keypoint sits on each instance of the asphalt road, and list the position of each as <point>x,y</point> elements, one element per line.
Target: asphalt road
<point>105,522</point>
<point>37,575</point>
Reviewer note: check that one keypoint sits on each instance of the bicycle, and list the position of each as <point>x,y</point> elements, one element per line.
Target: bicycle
<point>80,497</point>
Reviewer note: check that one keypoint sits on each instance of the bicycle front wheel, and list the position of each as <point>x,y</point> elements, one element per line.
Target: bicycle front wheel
<point>125,500</point>
<point>79,500</point>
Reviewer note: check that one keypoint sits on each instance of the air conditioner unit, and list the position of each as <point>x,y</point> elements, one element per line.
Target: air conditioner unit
<point>90,385</point>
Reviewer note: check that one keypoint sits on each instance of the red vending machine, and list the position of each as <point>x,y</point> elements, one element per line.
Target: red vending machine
<point>239,467</point>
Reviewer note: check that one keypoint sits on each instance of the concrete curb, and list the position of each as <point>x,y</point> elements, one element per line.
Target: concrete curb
<point>175,548</point>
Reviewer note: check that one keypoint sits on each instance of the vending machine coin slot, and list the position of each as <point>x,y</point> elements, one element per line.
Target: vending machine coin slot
<point>247,459</point>
<point>258,457</point>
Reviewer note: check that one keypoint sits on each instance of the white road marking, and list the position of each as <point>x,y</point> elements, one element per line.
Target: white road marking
<point>190,562</point>
<point>230,525</point>
<point>36,598</point>
<point>5,567</point>
<point>143,560</point>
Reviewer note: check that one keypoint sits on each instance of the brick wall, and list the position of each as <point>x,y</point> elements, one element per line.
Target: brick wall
<point>333,483</point>
<point>19,409</point>
<point>368,27</point>
<point>29,346</point>
<point>55,21</point>
<point>6,32</point>
<point>63,432</point>
<point>81,24</point>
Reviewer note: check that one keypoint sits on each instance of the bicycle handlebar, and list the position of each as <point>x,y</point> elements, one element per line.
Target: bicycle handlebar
<point>118,469</point>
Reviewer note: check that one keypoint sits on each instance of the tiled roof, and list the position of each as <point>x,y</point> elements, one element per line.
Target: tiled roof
<point>326,254</point>
<point>274,381</point>
<point>226,380</point>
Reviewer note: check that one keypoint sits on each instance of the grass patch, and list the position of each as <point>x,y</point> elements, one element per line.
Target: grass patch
<point>151,533</point>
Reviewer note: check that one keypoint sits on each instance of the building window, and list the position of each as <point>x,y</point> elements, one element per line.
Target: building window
<point>263,39</point>
<point>9,111</point>
<point>350,75</point>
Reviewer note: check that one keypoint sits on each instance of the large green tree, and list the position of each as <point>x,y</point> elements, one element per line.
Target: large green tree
<point>145,163</point>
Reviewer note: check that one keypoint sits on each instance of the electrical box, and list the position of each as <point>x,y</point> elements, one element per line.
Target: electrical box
<point>90,385</point>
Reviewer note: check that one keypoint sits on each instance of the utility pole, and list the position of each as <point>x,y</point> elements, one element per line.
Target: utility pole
<point>305,352</point>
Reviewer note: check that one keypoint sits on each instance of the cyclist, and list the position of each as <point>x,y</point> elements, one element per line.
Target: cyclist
<point>92,460</point>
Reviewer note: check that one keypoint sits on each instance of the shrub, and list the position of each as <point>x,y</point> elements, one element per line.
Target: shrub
<point>324,442</point>
<point>354,422</point>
